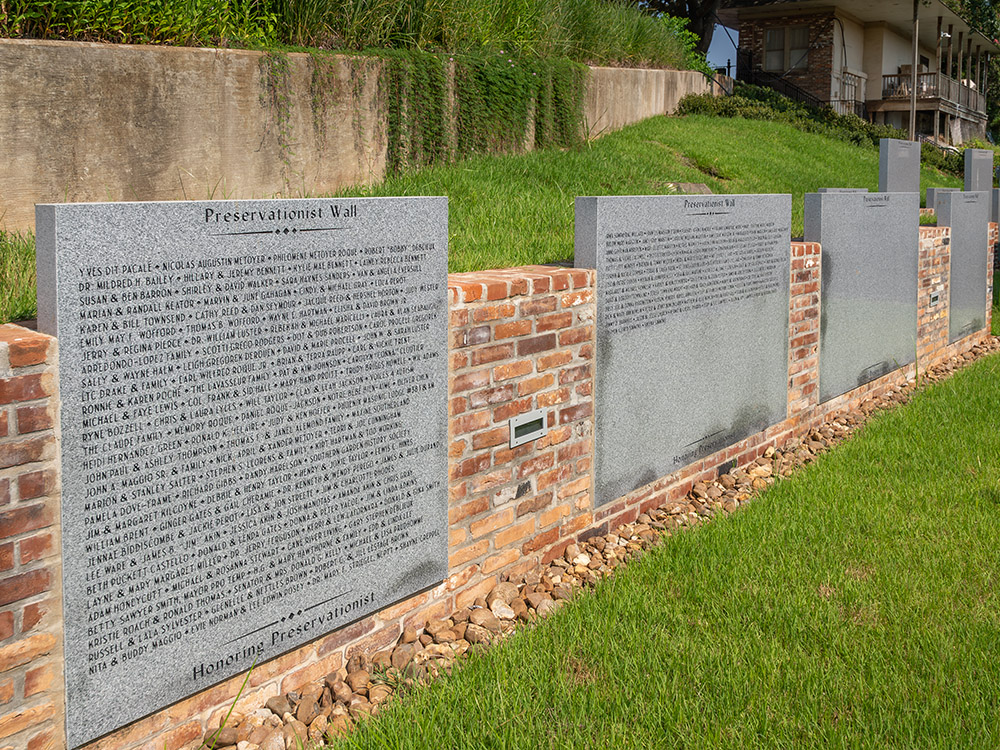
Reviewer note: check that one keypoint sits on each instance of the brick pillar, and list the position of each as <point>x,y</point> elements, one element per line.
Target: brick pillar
<point>933,279</point>
<point>31,676</point>
<point>521,339</point>
<point>990,268</point>
<point>803,331</point>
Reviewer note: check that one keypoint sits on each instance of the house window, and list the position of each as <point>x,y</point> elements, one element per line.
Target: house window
<point>786,49</point>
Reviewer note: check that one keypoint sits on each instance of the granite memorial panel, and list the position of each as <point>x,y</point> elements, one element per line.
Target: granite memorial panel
<point>968,215</point>
<point>692,327</point>
<point>995,205</point>
<point>254,432</point>
<point>978,169</point>
<point>868,299</point>
<point>934,193</point>
<point>898,166</point>
<point>842,190</point>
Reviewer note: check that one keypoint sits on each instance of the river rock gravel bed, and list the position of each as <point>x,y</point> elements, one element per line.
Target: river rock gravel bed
<point>325,710</point>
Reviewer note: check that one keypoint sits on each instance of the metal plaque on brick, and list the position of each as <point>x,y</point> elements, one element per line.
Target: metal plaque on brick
<point>692,327</point>
<point>968,215</point>
<point>868,300</point>
<point>254,432</point>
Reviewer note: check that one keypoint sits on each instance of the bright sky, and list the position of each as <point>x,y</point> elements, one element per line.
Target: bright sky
<point>722,48</point>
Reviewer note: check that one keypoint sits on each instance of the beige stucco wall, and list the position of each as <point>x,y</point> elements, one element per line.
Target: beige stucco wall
<point>92,122</point>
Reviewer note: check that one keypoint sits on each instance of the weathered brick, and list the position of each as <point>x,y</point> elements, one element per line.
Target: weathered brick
<point>572,299</point>
<point>4,425</point>
<point>6,691</point>
<point>537,344</point>
<point>470,466</point>
<point>25,347</point>
<point>25,719</point>
<point>534,504</point>
<point>550,478</point>
<point>34,613</point>
<point>512,370</point>
<point>27,518</point>
<point>466,554</point>
<point>531,385</point>
<point>374,642</point>
<point>536,464</point>
<point>578,485</point>
<point>505,411</point>
<point>490,396</point>
<point>554,322</point>
<point>492,312</point>
<point>25,387</point>
<point>573,413</point>
<point>493,353</point>
<point>553,515</point>
<point>457,514</point>
<point>33,418</point>
<point>323,666</point>
<point>514,534</point>
<point>556,359</point>
<point>553,398</point>
<point>470,380</point>
<point>35,484</point>
<point>491,438</point>
<point>25,650</point>
<point>492,523</point>
<point>35,548</point>
<point>538,306</point>
<point>24,585</point>
<point>7,556</point>
<point>512,329</point>
<point>576,336</point>
<point>541,540</point>
<point>38,680</point>
<point>501,560</point>
<point>6,625</point>
<point>457,537</point>
<point>28,451</point>
<point>573,374</point>
<point>488,481</point>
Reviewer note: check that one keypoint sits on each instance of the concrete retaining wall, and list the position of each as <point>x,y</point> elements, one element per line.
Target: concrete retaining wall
<point>95,122</point>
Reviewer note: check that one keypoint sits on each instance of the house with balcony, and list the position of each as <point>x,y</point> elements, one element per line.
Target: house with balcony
<point>857,56</point>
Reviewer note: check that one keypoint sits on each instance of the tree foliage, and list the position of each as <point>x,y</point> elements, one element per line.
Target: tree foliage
<point>700,15</point>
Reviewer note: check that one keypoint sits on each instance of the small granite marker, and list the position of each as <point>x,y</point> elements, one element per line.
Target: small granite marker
<point>968,215</point>
<point>684,283</point>
<point>898,166</point>
<point>254,432</point>
<point>933,195</point>
<point>868,319</point>
<point>978,169</point>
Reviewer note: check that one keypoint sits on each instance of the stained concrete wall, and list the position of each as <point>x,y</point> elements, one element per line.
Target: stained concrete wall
<point>94,122</point>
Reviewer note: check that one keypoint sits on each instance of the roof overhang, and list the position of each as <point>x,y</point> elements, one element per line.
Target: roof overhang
<point>897,14</point>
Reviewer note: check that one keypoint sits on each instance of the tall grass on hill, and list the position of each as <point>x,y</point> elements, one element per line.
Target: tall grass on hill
<point>603,32</point>
<point>17,276</point>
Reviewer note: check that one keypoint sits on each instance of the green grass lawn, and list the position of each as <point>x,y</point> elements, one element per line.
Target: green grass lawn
<point>516,210</point>
<point>854,605</point>
<point>512,210</point>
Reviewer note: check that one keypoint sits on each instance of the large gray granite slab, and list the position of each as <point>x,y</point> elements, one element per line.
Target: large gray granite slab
<point>254,432</point>
<point>692,327</point>
<point>968,215</point>
<point>978,169</point>
<point>868,300</point>
<point>898,166</point>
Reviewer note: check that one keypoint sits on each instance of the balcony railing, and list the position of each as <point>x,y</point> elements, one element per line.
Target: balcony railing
<point>933,86</point>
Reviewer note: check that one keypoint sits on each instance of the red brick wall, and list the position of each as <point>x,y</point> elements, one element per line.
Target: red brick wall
<point>818,76</point>
<point>934,278</point>
<point>520,339</point>
<point>31,681</point>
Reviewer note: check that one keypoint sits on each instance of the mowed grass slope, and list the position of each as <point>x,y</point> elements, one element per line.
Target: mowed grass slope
<point>854,605</point>
<point>518,210</point>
